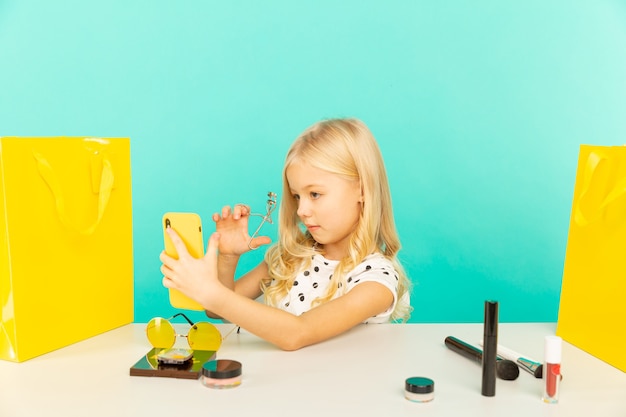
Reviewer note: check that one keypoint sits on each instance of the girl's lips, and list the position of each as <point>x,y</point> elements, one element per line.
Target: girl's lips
<point>312,227</point>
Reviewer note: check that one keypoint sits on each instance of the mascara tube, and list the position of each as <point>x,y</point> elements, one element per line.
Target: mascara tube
<point>490,349</point>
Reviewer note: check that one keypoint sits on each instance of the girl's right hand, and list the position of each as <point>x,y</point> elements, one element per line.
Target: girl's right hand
<point>232,225</point>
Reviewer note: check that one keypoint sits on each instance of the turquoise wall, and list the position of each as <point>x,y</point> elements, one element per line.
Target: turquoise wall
<point>479,108</point>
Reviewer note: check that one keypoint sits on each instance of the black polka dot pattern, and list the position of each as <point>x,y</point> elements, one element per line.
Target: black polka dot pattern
<point>314,282</point>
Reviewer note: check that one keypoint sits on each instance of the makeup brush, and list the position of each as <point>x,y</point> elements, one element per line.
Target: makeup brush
<point>529,365</point>
<point>505,369</point>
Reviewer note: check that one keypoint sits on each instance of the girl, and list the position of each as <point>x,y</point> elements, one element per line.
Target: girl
<point>335,263</point>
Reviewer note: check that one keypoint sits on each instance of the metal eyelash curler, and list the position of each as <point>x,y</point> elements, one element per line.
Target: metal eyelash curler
<point>267,217</point>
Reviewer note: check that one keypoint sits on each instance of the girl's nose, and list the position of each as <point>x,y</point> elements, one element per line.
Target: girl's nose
<point>303,209</point>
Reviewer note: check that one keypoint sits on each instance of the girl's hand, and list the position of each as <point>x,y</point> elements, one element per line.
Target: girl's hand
<point>232,225</point>
<point>195,278</point>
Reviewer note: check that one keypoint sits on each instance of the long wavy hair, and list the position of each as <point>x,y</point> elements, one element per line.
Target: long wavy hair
<point>347,148</point>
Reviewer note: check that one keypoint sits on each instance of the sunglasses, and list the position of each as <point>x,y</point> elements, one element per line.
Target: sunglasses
<point>201,336</point>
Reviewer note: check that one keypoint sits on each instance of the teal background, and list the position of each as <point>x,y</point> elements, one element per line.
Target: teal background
<point>479,108</point>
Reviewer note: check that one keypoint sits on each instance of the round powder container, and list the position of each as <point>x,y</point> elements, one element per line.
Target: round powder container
<point>221,373</point>
<point>419,389</point>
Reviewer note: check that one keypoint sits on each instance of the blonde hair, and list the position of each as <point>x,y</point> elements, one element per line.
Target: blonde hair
<point>347,148</point>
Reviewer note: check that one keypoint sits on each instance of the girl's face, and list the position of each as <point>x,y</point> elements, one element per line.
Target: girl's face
<point>328,205</point>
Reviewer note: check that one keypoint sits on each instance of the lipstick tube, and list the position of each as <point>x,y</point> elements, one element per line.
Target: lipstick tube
<point>490,349</point>
<point>552,369</point>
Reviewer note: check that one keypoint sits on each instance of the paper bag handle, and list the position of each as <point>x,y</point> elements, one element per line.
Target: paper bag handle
<point>593,162</point>
<point>104,192</point>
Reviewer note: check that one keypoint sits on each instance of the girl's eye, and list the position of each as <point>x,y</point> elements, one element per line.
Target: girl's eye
<point>315,195</point>
<point>296,197</point>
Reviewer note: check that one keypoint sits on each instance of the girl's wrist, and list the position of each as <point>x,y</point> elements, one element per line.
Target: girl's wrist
<point>227,264</point>
<point>233,256</point>
<point>213,300</point>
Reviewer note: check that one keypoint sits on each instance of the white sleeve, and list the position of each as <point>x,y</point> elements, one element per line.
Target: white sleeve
<point>376,268</point>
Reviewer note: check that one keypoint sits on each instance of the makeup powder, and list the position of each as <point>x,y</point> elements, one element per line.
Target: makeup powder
<point>221,373</point>
<point>419,389</point>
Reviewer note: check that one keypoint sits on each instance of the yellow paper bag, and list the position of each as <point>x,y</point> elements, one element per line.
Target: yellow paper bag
<point>592,311</point>
<point>66,265</point>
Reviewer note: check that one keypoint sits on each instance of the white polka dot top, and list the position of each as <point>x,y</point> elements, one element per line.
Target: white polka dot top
<point>313,282</point>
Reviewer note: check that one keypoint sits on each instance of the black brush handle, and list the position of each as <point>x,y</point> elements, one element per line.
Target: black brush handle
<point>505,369</point>
<point>464,349</point>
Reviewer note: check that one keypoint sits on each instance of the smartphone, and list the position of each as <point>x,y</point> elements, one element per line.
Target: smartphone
<point>189,228</point>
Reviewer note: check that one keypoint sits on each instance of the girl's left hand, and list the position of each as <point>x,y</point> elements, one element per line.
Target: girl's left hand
<point>195,278</point>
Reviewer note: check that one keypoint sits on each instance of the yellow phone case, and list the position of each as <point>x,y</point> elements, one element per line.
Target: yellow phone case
<point>189,228</point>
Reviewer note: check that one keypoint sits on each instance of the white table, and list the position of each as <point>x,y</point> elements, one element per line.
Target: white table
<point>360,373</point>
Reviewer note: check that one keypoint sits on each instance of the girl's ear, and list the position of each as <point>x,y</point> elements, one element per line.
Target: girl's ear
<point>361,198</point>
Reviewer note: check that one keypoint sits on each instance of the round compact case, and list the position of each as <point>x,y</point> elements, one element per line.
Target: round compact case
<point>221,373</point>
<point>419,389</point>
